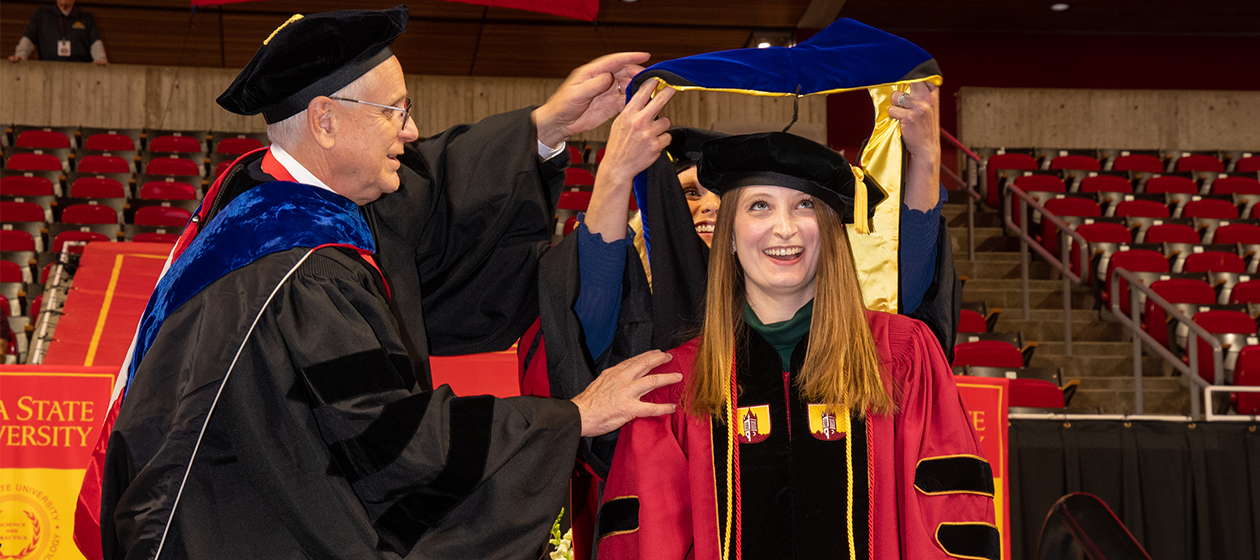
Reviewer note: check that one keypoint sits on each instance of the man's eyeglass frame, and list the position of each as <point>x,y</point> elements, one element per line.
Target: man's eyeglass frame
<point>406,108</point>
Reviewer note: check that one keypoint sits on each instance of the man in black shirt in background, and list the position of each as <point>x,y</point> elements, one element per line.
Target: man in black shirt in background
<point>62,33</point>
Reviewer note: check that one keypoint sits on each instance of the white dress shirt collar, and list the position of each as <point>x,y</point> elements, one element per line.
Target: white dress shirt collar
<point>296,169</point>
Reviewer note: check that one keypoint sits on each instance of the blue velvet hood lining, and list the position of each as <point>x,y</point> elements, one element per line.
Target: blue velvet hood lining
<point>270,218</point>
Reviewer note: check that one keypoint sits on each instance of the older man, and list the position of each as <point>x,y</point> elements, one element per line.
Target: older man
<point>276,407</point>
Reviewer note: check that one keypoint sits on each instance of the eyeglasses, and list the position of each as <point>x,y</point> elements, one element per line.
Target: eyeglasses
<point>406,108</point>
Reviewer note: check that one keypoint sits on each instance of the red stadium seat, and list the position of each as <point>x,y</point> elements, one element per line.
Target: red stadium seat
<point>163,190</point>
<point>575,154</point>
<point>175,166</point>
<point>972,322</point>
<point>1213,261</point>
<point>175,144</point>
<point>1068,206</point>
<point>106,142</point>
<point>1236,184</point>
<point>237,146</point>
<point>1139,162</point>
<point>19,185</point>
<point>10,272</point>
<point>570,225</point>
<point>149,237</point>
<point>574,200</point>
<point>97,187</point>
<point>1133,260</point>
<point>1218,321</point>
<point>42,139</point>
<point>1035,393</point>
<point>89,214</point>
<point>1004,161</point>
<point>1249,164</point>
<point>166,216</point>
<point>578,177</point>
<point>1200,163</point>
<point>1175,290</point>
<point>1245,292</point>
<point>34,162</point>
<point>103,164</point>
<point>1210,208</point>
<point>1044,183</point>
<point>1237,233</point>
<point>1097,232</point>
<point>14,240</point>
<point>599,155</point>
<point>1171,233</point>
<point>1142,209</point>
<point>990,353</point>
<point>1075,162</point>
<point>222,168</point>
<point>13,211</point>
<point>1106,183</point>
<point>1247,374</point>
<point>1171,184</point>
<point>72,235</point>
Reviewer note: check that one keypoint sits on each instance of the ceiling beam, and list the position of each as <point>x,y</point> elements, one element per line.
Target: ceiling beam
<point>820,14</point>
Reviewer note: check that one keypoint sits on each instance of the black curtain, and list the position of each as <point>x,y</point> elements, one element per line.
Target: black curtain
<point>1185,490</point>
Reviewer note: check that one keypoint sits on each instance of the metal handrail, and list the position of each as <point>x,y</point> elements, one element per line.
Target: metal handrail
<point>1134,323</point>
<point>1026,241</point>
<point>975,170</point>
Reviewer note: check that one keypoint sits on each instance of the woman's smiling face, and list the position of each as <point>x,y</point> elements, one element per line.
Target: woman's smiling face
<point>703,204</point>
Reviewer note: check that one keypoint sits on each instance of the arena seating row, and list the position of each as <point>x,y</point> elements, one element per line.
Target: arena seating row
<point>1075,166</point>
<point>132,140</point>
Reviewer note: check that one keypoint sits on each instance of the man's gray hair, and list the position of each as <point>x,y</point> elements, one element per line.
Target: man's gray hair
<point>289,132</point>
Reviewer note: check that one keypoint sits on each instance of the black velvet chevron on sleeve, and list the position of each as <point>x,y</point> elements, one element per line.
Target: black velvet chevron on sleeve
<point>358,374</point>
<point>617,516</point>
<point>970,540</point>
<point>951,475</point>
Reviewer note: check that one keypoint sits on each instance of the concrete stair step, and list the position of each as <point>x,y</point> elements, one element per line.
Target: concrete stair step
<point>1082,365</point>
<point>1083,348</point>
<point>1012,297</point>
<point>988,239</point>
<point>1085,327</point>
<point>1000,265</point>
<point>1104,401</point>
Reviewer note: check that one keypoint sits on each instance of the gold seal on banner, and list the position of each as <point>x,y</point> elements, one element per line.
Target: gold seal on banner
<point>27,528</point>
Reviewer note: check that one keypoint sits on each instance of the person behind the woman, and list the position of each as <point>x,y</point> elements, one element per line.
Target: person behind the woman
<point>809,427</point>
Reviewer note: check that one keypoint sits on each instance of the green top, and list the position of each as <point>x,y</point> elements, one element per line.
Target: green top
<point>784,335</point>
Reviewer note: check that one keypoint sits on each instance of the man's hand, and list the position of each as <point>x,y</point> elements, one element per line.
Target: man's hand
<point>920,120</point>
<point>592,94</point>
<point>613,398</point>
<point>101,62</point>
<point>16,58</point>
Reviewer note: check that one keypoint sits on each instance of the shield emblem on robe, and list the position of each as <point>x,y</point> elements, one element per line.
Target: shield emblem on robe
<point>828,422</point>
<point>754,423</point>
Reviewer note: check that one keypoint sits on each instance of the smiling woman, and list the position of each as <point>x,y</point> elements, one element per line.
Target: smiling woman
<point>809,424</point>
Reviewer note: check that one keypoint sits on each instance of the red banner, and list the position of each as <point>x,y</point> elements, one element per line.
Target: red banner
<point>585,10</point>
<point>50,417</point>
<point>986,401</point>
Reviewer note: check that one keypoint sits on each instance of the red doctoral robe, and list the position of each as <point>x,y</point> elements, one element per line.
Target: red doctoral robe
<point>928,490</point>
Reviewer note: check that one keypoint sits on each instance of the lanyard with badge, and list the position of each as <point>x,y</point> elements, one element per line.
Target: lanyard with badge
<point>63,44</point>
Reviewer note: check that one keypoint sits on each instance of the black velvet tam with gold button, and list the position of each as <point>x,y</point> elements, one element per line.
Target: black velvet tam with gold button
<point>310,56</point>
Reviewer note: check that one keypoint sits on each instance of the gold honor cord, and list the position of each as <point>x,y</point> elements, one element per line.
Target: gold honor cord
<point>848,459</point>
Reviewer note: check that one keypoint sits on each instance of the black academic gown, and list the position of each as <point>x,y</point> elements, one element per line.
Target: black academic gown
<point>324,442</point>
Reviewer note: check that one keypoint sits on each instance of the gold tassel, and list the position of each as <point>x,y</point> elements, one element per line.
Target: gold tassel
<point>273,33</point>
<point>861,223</point>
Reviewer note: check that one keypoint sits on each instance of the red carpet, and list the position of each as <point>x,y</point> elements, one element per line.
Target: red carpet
<point>106,301</point>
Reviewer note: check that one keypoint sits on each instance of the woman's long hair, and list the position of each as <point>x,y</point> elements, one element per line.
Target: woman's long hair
<point>842,365</point>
